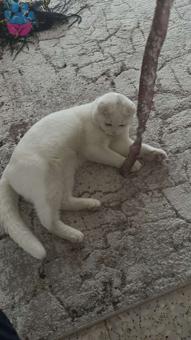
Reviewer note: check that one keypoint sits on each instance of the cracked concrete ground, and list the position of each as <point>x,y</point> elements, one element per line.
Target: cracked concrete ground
<point>139,244</point>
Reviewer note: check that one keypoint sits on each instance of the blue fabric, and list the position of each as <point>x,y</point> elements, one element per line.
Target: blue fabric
<point>7,332</point>
<point>18,13</point>
<point>15,7</point>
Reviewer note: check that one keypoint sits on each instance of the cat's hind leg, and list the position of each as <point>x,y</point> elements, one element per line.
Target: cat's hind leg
<point>80,203</point>
<point>45,192</point>
<point>49,218</point>
<point>69,202</point>
<point>40,184</point>
<point>47,208</point>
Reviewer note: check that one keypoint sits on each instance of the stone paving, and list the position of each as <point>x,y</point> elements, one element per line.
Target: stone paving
<point>139,244</point>
<point>167,317</point>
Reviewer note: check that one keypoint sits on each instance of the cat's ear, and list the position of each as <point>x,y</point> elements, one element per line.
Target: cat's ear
<point>131,107</point>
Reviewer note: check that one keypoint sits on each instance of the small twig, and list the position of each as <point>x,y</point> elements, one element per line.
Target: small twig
<point>22,45</point>
<point>153,47</point>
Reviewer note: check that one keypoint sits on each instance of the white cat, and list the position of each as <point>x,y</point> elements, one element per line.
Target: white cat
<point>43,164</point>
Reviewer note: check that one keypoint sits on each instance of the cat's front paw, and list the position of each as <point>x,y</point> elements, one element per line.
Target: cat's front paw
<point>77,236</point>
<point>159,155</point>
<point>136,166</point>
<point>93,204</point>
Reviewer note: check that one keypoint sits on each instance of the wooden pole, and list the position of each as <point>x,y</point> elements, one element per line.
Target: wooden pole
<point>153,47</point>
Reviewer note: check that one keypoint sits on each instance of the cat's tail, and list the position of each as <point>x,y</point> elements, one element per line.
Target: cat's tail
<point>13,224</point>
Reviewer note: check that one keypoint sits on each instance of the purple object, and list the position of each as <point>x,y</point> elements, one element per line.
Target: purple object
<point>18,30</point>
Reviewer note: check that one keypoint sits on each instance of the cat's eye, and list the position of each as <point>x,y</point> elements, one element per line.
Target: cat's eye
<point>121,125</point>
<point>108,124</point>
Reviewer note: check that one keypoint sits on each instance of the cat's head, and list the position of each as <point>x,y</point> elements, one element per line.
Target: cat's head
<point>113,112</point>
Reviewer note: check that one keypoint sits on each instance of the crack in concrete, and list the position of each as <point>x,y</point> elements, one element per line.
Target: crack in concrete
<point>132,31</point>
<point>110,35</point>
<point>185,165</point>
<point>108,330</point>
<point>170,59</point>
<point>107,73</point>
<point>60,302</point>
<point>177,80</point>
<point>178,215</point>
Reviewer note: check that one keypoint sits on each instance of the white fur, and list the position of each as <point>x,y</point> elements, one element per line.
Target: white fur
<point>43,165</point>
